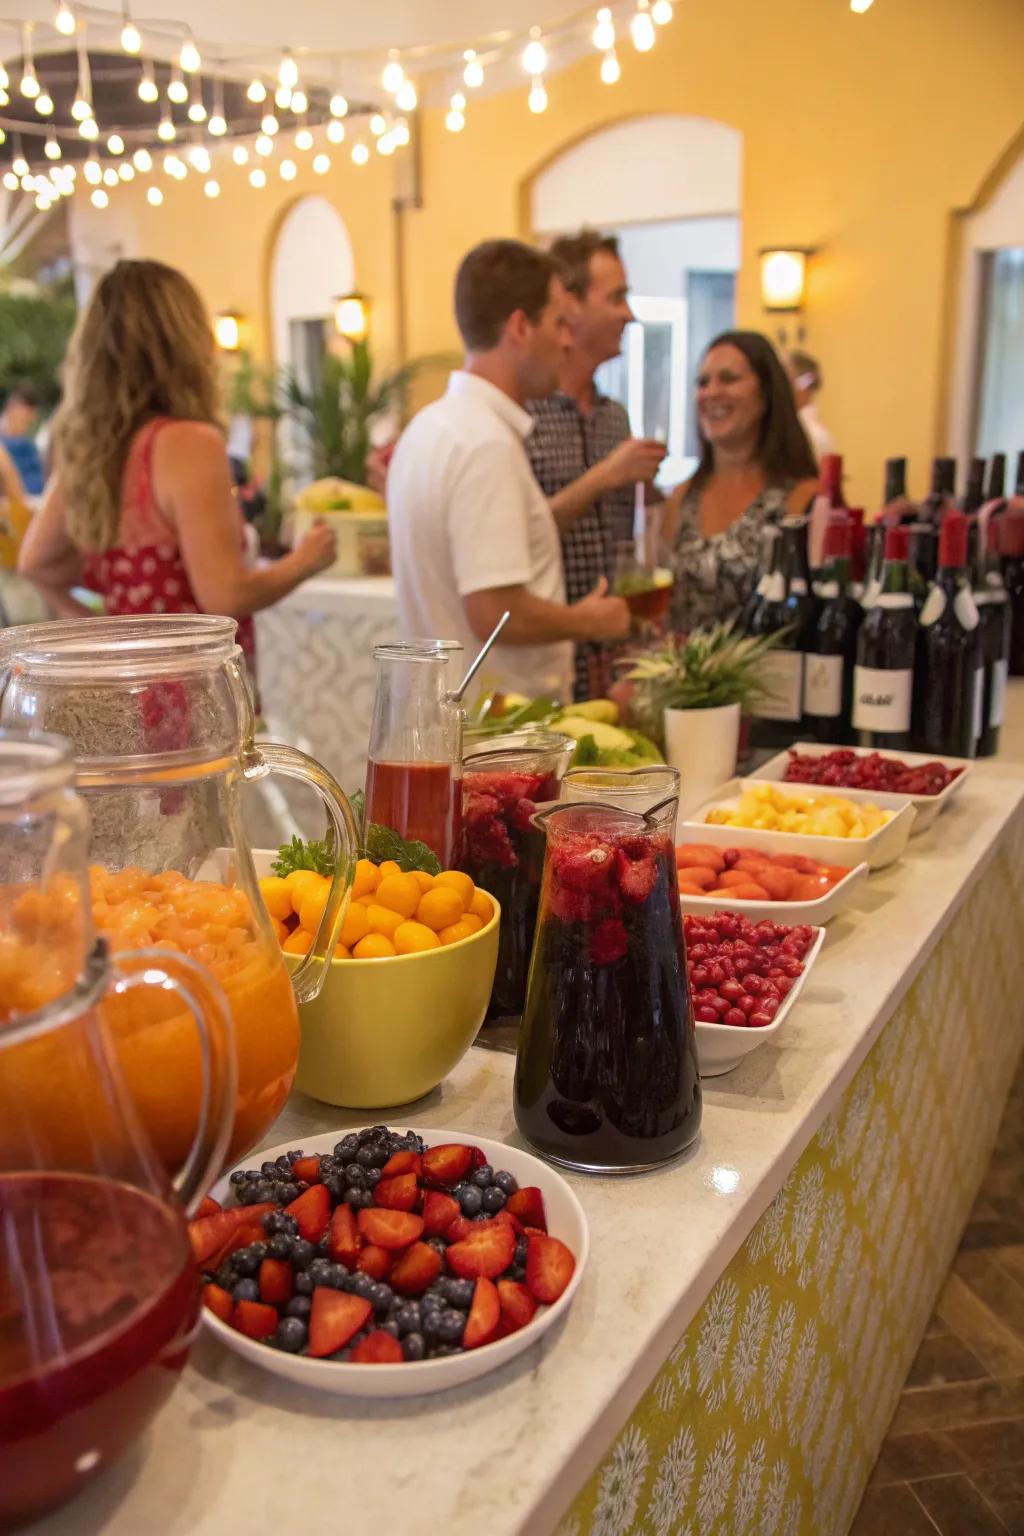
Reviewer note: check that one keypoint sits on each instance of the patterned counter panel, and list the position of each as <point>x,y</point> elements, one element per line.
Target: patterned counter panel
<point>767,1418</point>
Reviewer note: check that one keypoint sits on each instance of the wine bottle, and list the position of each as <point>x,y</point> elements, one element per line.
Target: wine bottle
<point>787,610</point>
<point>924,528</point>
<point>993,607</point>
<point>974,491</point>
<point>828,500</point>
<point>766,564</point>
<point>832,649</point>
<point>996,478</point>
<point>895,507</point>
<point>947,666</point>
<point>883,678</point>
<point>1011,546</point>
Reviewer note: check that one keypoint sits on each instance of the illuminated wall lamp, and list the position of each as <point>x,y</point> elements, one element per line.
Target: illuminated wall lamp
<point>784,279</point>
<point>352,316</point>
<point>227,331</point>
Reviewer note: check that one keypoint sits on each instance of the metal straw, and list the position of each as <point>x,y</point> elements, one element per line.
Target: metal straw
<point>476,665</point>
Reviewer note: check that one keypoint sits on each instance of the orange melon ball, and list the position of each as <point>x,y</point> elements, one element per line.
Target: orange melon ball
<point>311,907</point>
<point>401,893</point>
<point>423,880</point>
<point>463,929</point>
<point>298,943</point>
<point>376,946</point>
<point>277,897</point>
<point>388,867</point>
<point>356,925</point>
<point>366,879</point>
<point>415,938</point>
<point>482,906</point>
<point>439,908</point>
<point>300,882</point>
<point>457,881</point>
<point>383,920</point>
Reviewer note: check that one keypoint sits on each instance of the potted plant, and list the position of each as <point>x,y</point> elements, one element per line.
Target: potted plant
<point>691,692</point>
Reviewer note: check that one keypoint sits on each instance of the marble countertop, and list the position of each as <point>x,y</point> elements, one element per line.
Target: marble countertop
<point>237,1449</point>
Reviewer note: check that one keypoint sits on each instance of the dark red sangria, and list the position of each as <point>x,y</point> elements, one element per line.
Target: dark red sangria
<point>504,852</point>
<point>606,1074</point>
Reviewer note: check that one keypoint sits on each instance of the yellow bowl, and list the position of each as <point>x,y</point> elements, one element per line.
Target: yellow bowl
<point>384,1032</point>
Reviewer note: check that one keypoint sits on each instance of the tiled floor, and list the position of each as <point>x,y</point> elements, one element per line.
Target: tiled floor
<point>953,1462</point>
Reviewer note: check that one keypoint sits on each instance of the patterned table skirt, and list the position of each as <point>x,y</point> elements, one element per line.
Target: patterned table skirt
<point>768,1415</point>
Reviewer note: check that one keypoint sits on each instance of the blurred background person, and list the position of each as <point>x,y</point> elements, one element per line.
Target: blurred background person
<point>756,467</point>
<point>19,419</point>
<point>805,372</point>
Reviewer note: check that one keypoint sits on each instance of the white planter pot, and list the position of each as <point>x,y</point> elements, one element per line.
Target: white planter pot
<point>702,744</point>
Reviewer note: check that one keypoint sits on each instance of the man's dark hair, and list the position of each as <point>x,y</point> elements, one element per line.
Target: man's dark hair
<point>23,392</point>
<point>573,253</point>
<point>783,449</point>
<point>803,364</point>
<point>495,279</point>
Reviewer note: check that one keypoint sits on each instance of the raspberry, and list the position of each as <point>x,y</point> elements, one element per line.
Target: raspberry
<point>636,880</point>
<point>585,869</point>
<point>608,941</point>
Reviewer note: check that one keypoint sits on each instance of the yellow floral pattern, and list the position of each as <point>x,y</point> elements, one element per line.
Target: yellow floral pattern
<point>767,1417</point>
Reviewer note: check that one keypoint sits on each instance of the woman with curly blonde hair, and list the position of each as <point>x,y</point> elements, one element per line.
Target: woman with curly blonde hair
<point>141,508</point>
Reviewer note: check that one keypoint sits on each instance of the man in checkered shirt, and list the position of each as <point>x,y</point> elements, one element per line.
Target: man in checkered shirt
<point>581,450</point>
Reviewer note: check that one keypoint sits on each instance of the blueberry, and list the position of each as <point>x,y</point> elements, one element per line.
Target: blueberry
<point>334,1184</point>
<point>299,1306</point>
<point>519,1257</point>
<point>483,1177</point>
<point>284,1162</point>
<point>303,1285</point>
<point>302,1253</point>
<point>355,1176</point>
<point>414,1347</point>
<point>366,1157</point>
<point>239,1176</point>
<point>248,1260</point>
<point>450,1325</point>
<point>280,1247</point>
<point>438,1244</point>
<point>408,1317</point>
<point>470,1200</point>
<point>363,1285</point>
<point>493,1200</point>
<point>269,1170</point>
<point>363,1200</point>
<point>431,1303</point>
<point>291,1334</point>
<point>264,1190</point>
<point>517,1272</point>
<point>246,1290</point>
<point>389,1327</point>
<point>318,1268</point>
<point>382,1298</point>
<point>284,1194</point>
<point>225,1276</point>
<point>432,1324</point>
<point>372,1178</point>
<point>347,1147</point>
<point>335,1277</point>
<point>275,1222</point>
<point>293,1157</point>
<point>505,1182</point>
<point>458,1292</point>
<point>322,1248</point>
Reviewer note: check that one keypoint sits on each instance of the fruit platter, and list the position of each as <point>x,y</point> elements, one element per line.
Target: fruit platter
<point>929,782</point>
<point>831,828</point>
<point>376,1263</point>
<point>782,887</point>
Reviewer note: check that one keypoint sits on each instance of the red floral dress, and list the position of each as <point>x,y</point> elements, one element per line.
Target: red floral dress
<point>145,572</point>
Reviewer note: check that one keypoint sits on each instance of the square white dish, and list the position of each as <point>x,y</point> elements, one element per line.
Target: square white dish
<point>721,1047</point>
<point>817,913</point>
<point>928,807</point>
<point>883,847</point>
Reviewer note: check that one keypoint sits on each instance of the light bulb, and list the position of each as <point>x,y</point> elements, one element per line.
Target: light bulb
<point>10,181</point>
<point>189,58</point>
<point>99,198</point>
<point>360,154</point>
<point>392,74</point>
<point>303,139</point>
<point>538,99</point>
<point>5,78</point>
<point>300,103</point>
<point>44,203</point>
<point>211,188</point>
<point>642,29</point>
<point>131,38</point>
<point>196,111</point>
<point>288,170</point>
<point>4,98</point>
<point>27,183</point>
<point>339,105</point>
<point>473,74</point>
<point>154,196</point>
<point>91,171</point>
<point>147,85</point>
<point>240,155</point>
<point>81,108</point>
<point>88,129</point>
<point>604,32</point>
<point>611,70</point>
<point>44,104</point>
<point>386,144</point>
<point>321,164</point>
<point>171,163</point>
<point>288,70</point>
<point>336,131</point>
<point>180,169</point>
<point>51,149</point>
<point>378,123</point>
<point>143,161</point>
<point>199,159</point>
<point>535,55</point>
<point>257,177</point>
<point>177,90</point>
<point>400,132</point>
<point>283,97</point>
<point>218,124</point>
<point>257,92</point>
<point>29,85</point>
<point>661,12</point>
<point>165,130</point>
<point>3,136</point>
<point>455,121</point>
<point>19,165</point>
<point>406,98</point>
<point>126,171</point>
<point>64,20</point>
<point>264,145</point>
<point>270,123</point>
<point>110,177</point>
<point>115,144</point>
<point>858,7</point>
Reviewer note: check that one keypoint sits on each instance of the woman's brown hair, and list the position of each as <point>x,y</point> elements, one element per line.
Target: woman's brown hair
<point>783,449</point>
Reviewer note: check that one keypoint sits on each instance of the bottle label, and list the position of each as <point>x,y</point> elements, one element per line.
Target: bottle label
<point>979,689</point>
<point>997,697</point>
<point>934,606</point>
<point>774,588</point>
<point>893,600</point>
<point>881,699</point>
<point>825,590</point>
<point>783,675</point>
<point>823,686</point>
<point>966,609</point>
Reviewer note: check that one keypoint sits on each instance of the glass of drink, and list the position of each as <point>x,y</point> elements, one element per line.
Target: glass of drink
<point>504,852</point>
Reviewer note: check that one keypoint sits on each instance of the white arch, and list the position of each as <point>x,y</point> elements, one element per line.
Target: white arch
<point>312,264</point>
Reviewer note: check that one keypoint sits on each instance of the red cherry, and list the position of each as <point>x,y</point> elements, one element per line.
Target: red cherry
<point>735,1018</point>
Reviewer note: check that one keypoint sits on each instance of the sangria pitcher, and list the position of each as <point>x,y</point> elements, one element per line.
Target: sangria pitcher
<point>99,1295</point>
<point>161,725</point>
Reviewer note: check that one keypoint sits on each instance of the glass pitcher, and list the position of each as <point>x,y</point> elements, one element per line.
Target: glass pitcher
<point>414,762</point>
<point>161,725</point>
<point>99,1295</point>
<point>606,1074</point>
<point>631,789</point>
<point>503,851</point>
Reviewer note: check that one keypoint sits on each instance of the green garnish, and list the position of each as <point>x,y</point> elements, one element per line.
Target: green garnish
<point>376,843</point>
<point>317,856</point>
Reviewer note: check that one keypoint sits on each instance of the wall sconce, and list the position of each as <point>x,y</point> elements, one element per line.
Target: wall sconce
<point>783,278</point>
<point>352,316</point>
<point>227,331</point>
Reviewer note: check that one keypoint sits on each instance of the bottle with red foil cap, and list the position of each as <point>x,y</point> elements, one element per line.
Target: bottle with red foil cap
<point>1010,535</point>
<point>828,500</point>
<point>883,678</point>
<point>948,673</point>
<point>832,648</point>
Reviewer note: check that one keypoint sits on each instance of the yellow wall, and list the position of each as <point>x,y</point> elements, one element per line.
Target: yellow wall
<point>862,137</point>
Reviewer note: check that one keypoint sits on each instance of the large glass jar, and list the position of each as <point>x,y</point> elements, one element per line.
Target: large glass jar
<point>161,724</point>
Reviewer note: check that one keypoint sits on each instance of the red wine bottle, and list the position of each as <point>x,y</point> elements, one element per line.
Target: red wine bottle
<point>948,674</point>
<point>883,678</point>
<point>993,607</point>
<point>997,478</point>
<point>787,609</point>
<point>974,491</point>
<point>924,526</point>
<point>828,500</point>
<point>832,648</point>
<point>895,508</point>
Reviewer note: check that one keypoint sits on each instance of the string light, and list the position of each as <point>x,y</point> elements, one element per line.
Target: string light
<point>661,12</point>
<point>283,97</point>
<point>177,90</point>
<point>218,124</point>
<point>321,164</point>
<point>258,177</point>
<point>126,171</point>
<point>99,199</point>
<point>288,170</point>
<point>386,144</point>
<point>143,161</point>
<point>240,155</point>
<point>64,20</point>
<point>336,131</point>
<point>264,145</point>
<point>110,177</point>
<point>473,74</point>
<point>611,70</point>
<point>81,107</point>
<point>604,32</point>
<point>10,181</point>
<point>51,149</point>
<point>406,98</point>
<point>199,159</point>
<point>538,99</point>
<point>5,78</point>
<point>257,92</point>
<point>44,104</point>
<point>211,188</point>
<point>197,107</point>
<point>400,132</point>
<point>303,139</point>
<point>19,165</point>
<point>360,153</point>
<point>288,70</point>
<point>115,144</point>
<point>92,171</point>
<point>165,129</point>
<point>393,75</point>
<point>377,125</point>
<point>154,196</point>
<point>270,124</point>
<point>339,105</point>
<point>28,85</point>
<point>147,85</point>
<point>535,55</point>
<point>189,58</point>
<point>89,128</point>
<point>299,103</point>
<point>131,37</point>
<point>456,119</point>
<point>642,28</point>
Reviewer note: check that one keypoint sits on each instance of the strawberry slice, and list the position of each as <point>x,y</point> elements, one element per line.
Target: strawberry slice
<point>255,1319</point>
<point>375,1262</point>
<point>397,1194</point>
<point>485,1253</point>
<point>343,1240</point>
<point>517,1305</point>
<point>209,1207</point>
<point>240,1238</point>
<point>219,1302</point>
<point>275,1281</point>
<point>312,1211</point>
<point>439,1211</point>
<point>418,1268</point>
<point>208,1233</point>
<point>637,878</point>
<point>510,1220</point>
<point>447,1164</point>
<point>484,1315</point>
<point>549,1266</point>
<point>527,1205</point>
<point>401,1162</point>
<point>479,1156</point>
<point>335,1317</point>
<point>389,1229</point>
<point>307,1169</point>
<point>378,1348</point>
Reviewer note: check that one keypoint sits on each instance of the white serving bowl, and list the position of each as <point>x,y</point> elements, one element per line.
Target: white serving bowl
<point>414,1378</point>
<point>817,913</point>
<point>720,1047</point>
<point>926,806</point>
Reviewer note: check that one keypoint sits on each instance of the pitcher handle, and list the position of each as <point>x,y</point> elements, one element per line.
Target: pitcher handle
<point>206,1002</point>
<point>271,756</point>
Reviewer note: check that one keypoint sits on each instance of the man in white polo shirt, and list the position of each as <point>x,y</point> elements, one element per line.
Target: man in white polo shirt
<point>471,532</point>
